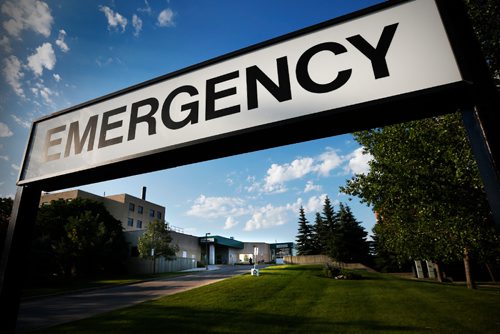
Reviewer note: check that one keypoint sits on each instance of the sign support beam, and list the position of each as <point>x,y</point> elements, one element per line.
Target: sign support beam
<point>17,245</point>
<point>476,124</point>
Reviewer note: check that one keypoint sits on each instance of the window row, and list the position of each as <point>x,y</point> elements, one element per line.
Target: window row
<point>140,210</point>
<point>138,223</point>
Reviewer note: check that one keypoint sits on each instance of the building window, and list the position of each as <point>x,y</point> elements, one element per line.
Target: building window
<point>140,209</point>
<point>151,213</point>
<point>158,214</point>
<point>139,224</point>
<point>130,222</point>
<point>131,207</point>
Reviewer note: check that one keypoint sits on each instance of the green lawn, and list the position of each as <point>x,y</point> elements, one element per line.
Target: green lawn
<point>297,299</point>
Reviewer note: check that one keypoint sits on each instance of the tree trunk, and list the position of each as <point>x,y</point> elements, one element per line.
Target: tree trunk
<point>490,272</point>
<point>468,273</point>
<point>439,274</point>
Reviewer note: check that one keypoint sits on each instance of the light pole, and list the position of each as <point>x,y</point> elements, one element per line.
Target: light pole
<point>206,250</point>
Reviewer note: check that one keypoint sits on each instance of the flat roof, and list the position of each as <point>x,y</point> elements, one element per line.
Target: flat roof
<point>217,239</point>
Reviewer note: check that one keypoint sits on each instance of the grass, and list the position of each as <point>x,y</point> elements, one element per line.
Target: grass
<point>41,289</point>
<point>298,299</point>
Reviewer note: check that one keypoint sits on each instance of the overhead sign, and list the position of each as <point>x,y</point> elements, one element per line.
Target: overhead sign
<point>379,55</point>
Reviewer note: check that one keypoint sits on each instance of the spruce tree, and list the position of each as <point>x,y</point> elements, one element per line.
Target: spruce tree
<point>330,224</point>
<point>317,230</point>
<point>304,237</point>
<point>349,237</point>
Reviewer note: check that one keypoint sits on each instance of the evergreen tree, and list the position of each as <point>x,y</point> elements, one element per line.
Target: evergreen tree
<point>348,238</point>
<point>330,223</point>
<point>317,229</point>
<point>304,237</point>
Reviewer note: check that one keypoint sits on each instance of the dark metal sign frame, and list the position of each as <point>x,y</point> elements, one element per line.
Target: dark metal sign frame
<point>475,96</point>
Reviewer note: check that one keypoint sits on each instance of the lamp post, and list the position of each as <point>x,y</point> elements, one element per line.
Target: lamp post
<point>206,250</point>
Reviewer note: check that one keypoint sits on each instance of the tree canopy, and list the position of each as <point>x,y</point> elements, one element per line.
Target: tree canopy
<point>77,237</point>
<point>157,237</point>
<point>425,186</point>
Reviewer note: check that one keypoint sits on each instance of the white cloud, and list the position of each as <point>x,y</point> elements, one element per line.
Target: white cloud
<point>15,167</point>
<point>216,207</point>
<point>5,131</point>
<point>21,122</point>
<point>146,9</point>
<point>12,73</point>
<point>328,161</point>
<point>46,93</point>
<point>267,217</point>
<point>27,14</point>
<point>310,186</point>
<point>230,223</point>
<point>166,18</point>
<point>137,24</point>
<point>56,77</point>
<point>3,157</point>
<point>278,174</point>
<point>115,19</point>
<point>43,57</point>
<point>60,41</point>
<point>358,162</point>
<point>5,44</point>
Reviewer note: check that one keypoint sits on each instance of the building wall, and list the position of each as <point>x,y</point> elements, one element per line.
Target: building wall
<point>131,210</point>
<point>188,245</point>
<point>124,207</point>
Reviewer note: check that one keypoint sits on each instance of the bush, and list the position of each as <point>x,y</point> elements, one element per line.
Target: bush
<point>332,271</point>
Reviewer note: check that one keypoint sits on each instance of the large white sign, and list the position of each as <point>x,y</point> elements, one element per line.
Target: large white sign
<point>393,51</point>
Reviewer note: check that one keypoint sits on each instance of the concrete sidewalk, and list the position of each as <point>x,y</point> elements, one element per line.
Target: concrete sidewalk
<point>47,312</point>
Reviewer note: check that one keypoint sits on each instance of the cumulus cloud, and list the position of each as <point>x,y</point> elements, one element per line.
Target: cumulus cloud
<point>230,223</point>
<point>147,8</point>
<point>13,74</point>
<point>266,217</point>
<point>60,41</point>
<point>56,77</point>
<point>216,207</point>
<point>115,19</point>
<point>278,174</point>
<point>5,131</point>
<point>5,44</point>
<point>27,15</point>
<point>21,122</point>
<point>137,24</point>
<point>327,161</point>
<point>359,162</point>
<point>43,57</point>
<point>166,18</point>
<point>310,186</point>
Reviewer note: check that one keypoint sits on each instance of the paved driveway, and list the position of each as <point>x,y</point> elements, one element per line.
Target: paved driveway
<point>46,312</point>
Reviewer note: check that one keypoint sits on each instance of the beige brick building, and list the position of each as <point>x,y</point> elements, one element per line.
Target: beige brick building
<point>133,212</point>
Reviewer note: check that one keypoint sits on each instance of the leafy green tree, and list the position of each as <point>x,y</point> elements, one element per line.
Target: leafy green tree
<point>156,242</point>
<point>484,16</point>
<point>304,237</point>
<point>77,238</point>
<point>5,212</point>
<point>425,186</point>
<point>349,242</point>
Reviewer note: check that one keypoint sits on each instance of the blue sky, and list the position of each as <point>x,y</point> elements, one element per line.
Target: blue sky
<point>56,54</point>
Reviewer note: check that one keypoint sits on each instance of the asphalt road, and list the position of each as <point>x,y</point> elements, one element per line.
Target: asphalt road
<point>51,311</point>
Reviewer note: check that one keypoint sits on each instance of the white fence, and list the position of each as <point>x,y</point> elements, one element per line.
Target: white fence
<point>138,265</point>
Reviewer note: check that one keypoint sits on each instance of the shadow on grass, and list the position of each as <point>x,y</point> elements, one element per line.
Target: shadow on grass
<point>153,318</point>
